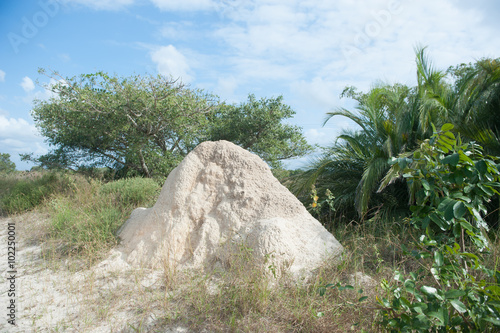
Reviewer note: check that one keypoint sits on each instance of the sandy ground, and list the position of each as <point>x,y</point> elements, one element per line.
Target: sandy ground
<point>57,297</point>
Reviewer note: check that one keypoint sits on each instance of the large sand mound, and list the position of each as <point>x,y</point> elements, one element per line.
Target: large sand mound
<point>221,195</point>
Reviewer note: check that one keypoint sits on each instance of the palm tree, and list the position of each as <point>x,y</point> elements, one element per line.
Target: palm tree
<point>435,96</point>
<point>477,105</point>
<point>471,104</point>
<point>393,119</point>
<point>353,167</point>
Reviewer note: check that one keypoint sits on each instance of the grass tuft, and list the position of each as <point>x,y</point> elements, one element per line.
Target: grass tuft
<point>24,191</point>
<point>133,191</point>
<point>86,222</point>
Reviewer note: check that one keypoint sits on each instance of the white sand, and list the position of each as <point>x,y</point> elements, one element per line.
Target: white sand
<point>105,298</point>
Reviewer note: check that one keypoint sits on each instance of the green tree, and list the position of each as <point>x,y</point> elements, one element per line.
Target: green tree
<point>136,124</point>
<point>354,166</point>
<point>477,105</point>
<point>257,125</point>
<point>6,165</point>
<point>146,125</point>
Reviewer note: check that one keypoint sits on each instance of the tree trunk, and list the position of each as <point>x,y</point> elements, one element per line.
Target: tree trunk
<point>143,164</point>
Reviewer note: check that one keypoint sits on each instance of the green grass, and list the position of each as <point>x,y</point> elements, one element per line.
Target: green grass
<point>86,222</point>
<point>84,213</point>
<point>133,191</point>
<point>22,194</point>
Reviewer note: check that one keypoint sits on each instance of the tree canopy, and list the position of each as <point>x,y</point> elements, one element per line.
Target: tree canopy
<point>257,126</point>
<point>394,119</point>
<point>6,165</point>
<point>147,124</point>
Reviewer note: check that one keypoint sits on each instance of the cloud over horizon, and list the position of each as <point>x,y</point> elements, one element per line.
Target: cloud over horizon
<point>18,136</point>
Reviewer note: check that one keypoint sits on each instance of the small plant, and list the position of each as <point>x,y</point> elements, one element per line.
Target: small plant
<point>454,290</point>
<point>321,207</point>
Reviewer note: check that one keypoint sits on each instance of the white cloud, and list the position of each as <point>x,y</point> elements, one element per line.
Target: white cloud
<point>184,5</point>
<point>297,38</point>
<point>101,4</point>
<point>19,136</point>
<point>318,92</point>
<point>184,30</point>
<point>261,68</point>
<point>169,61</point>
<point>2,76</point>
<point>226,86</point>
<point>16,128</point>
<point>309,50</point>
<point>452,34</point>
<point>27,84</point>
<point>318,136</point>
<point>344,42</point>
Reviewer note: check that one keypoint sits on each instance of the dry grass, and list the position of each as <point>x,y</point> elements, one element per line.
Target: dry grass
<point>242,297</point>
<point>246,298</point>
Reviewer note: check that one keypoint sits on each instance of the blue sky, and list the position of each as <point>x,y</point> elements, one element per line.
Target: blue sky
<point>307,51</point>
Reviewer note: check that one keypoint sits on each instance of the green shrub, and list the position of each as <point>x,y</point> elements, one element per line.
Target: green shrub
<point>86,223</point>
<point>456,289</point>
<point>26,194</point>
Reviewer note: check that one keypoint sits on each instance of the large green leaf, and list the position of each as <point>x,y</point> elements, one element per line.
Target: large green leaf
<point>447,127</point>
<point>431,291</point>
<point>439,221</point>
<point>452,159</point>
<point>438,258</point>
<point>459,306</point>
<point>439,315</point>
<point>445,203</point>
<point>454,294</point>
<point>459,209</point>
<point>447,206</point>
<point>481,166</point>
